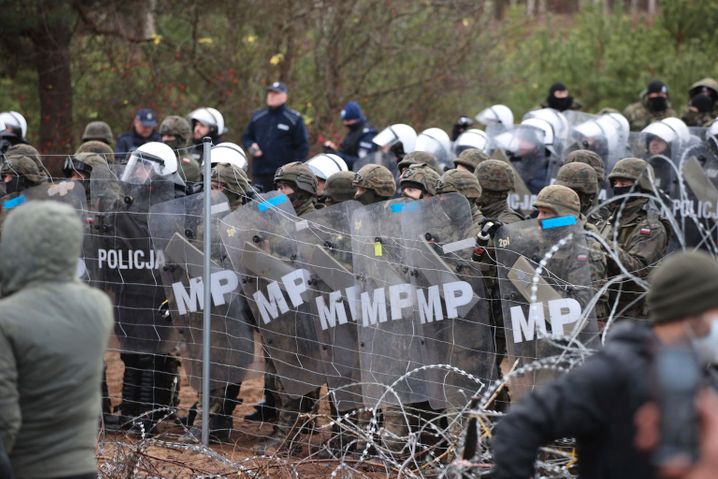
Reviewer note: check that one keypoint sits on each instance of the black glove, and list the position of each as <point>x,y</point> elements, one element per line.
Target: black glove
<point>489,226</point>
<point>461,125</point>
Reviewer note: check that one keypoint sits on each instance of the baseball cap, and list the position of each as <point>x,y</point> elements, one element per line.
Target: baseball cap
<point>278,87</point>
<point>657,86</point>
<point>147,117</point>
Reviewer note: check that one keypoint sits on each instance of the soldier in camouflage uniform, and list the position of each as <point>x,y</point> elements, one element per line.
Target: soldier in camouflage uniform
<point>373,183</point>
<point>467,185</point>
<point>702,107</point>
<point>418,181</point>
<point>338,187</point>
<point>177,134</point>
<point>497,181</point>
<point>297,181</point>
<point>635,232</point>
<point>653,106</point>
<point>470,159</point>
<point>419,157</point>
<point>98,131</point>
<point>28,151</point>
<point>233,182</point>
<point>20,172</point>
<point>581,178</point>
<point>79,168</point>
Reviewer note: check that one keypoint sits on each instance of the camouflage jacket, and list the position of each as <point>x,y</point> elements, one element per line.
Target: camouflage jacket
<point>641,239</point>
<point>639,116</point>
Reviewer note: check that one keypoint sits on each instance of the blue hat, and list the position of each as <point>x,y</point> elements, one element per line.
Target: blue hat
<point>147,117</point>
<point>278,87</point>
<point>352,111</point>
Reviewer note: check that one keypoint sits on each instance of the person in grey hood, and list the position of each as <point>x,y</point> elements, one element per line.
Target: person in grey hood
<point>53,334</point>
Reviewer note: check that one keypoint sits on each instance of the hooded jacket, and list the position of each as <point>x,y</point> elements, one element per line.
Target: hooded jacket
<point>595,403</point>
<point>53,334</point>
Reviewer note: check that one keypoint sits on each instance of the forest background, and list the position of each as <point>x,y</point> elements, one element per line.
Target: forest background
<point>66,62</point>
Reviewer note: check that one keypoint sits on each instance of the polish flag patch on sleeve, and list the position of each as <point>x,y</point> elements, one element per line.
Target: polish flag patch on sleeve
<point>645,231</point>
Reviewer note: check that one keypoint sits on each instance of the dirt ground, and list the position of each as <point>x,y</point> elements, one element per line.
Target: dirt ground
<point>121,456</point>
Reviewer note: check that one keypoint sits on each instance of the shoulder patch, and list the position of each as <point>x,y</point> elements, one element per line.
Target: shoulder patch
<point>645,231</point>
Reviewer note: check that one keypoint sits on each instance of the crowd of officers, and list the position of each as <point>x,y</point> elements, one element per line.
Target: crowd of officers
<point>370,167</point>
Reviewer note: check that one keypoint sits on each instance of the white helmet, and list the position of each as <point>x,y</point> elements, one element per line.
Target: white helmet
<point>473,138</point>
<point>395,134</point>
<point>14,120</point>
<point>153,157</point>
<point>500,114</point>
<point>325,165</point>
<point>210,117</point>
<point>557,120</point>
<point>547,131</point>
<point>435,141</point>
<point>229,153</point>
<point>671,130</point>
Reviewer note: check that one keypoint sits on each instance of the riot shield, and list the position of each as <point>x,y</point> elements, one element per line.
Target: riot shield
<point>545,283</point>
<point>526,150</point>
<point>260,240</point>
<point>126,263</point>
<point>71,193</point>
<point>325,250</point>
<point>698,207</point>
<point>451,304</point>
<point>177,228</point>
<point>390,335</point>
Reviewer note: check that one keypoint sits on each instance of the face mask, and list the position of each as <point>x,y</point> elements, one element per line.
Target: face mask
<point>367,198</point>
<point>560,104</point>
<point>16,185</point>
<point>657,103</point>
<point>706,347</point>
<point>622,190</point>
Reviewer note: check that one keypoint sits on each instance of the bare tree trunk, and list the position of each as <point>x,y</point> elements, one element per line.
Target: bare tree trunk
<point>51,42</point>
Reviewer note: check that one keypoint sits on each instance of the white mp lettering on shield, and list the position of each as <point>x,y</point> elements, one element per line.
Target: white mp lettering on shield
<point>562,312</point>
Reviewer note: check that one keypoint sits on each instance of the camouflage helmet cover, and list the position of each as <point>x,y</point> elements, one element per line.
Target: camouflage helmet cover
<point>420,175</point>
<point>232,177</point>
<point>99,131</point>
<point>176,126</point>
<point>589,157</point>
<point>471,158</point>
<point>23,166</point>
<point>339,186</point>
<point>419,157</point>
<point>634,169</point>
<point>580,177</point>
<point>23,149</point>
<point>98,147</point>
<point>459,181</point>
<point>377,178</point>
<point>495,175</point>
<point>299,174</point>
<point>560,199</point>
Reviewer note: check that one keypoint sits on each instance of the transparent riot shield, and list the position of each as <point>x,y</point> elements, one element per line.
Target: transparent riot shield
<point>698,208</point>
<point>451,304</point>
<point>69,192</point>
<point>125,261</point>
<point>178,229</point>
<point>261,242</point>
<point>325,250</point>
<point>390,335</point>
<point>526,150</point>
<point>546,293</point>
<point>576,117</point>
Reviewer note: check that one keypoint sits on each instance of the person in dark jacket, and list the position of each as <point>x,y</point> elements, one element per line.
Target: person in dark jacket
<point>275,136</point>
<point>357,144</point>
<point>143,131</point>
<point>597,401</point>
